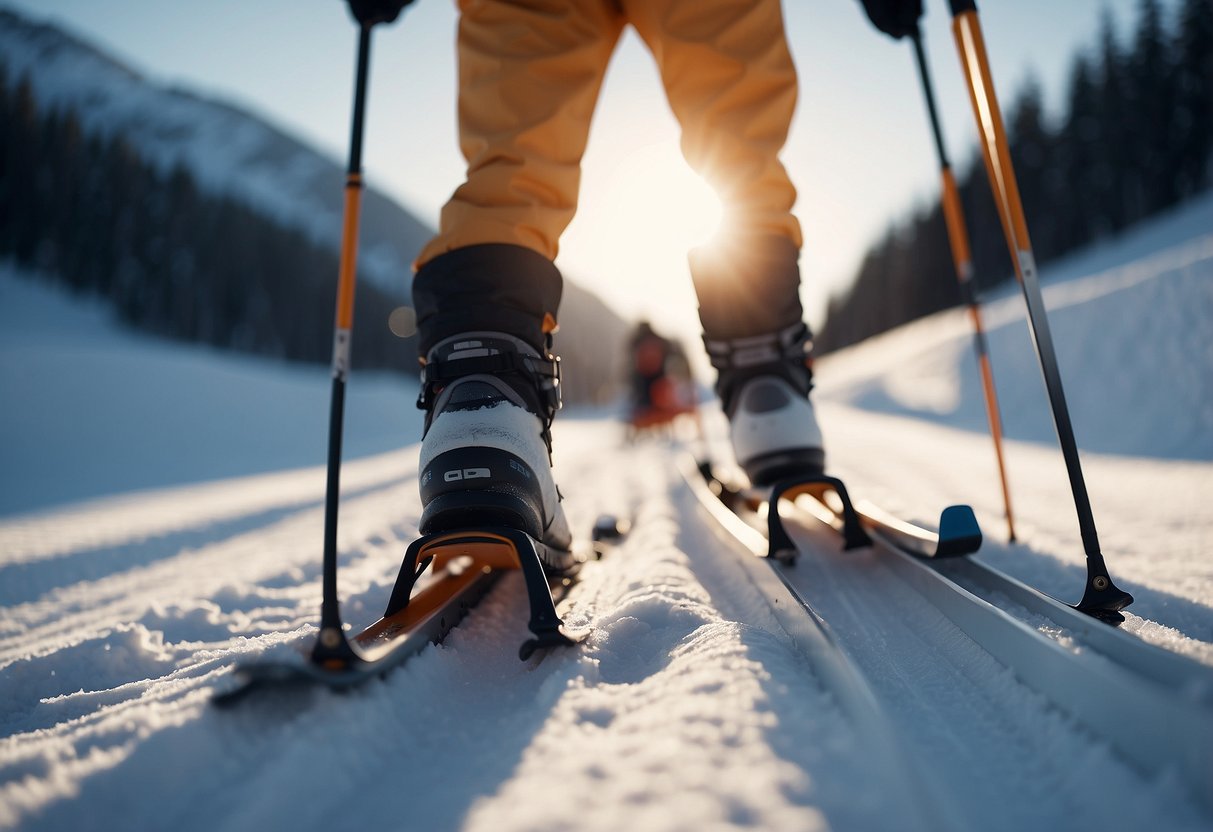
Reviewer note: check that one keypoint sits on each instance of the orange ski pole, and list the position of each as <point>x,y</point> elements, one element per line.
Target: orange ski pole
<point>1101,598</point>
<point>332,649</point>
<point>958,237</point>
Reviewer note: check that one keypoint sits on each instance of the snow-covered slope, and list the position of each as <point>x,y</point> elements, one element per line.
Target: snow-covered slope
<point>93,409</point>
<point>227,149</point>
<point>687,708</point>
<point>1132,319</point>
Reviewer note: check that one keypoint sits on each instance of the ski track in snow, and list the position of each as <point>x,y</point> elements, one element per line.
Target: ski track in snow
<point>1021,763</point>
<point>132,578</point>
<point>717,720</point>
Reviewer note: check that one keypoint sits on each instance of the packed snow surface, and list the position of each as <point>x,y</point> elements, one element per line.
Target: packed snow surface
<point>161,511</point>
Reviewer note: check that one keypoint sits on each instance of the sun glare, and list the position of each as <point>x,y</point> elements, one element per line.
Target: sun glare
<point>661,202</point>
<point>637,220</point>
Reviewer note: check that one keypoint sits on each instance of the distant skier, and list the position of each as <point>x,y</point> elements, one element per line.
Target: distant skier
<point>660,380</point>
<point>486,289</point>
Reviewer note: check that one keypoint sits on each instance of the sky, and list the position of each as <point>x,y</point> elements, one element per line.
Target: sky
<point>860,150</point>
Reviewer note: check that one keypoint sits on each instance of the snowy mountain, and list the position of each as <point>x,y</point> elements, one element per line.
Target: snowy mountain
<point>228,150</point>
<point>232,152</point>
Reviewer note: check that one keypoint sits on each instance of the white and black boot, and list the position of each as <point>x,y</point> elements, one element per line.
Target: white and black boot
<point>764,383</point>
<point>486,455</point>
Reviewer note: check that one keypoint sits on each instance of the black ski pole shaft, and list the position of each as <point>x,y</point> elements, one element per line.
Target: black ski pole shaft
<point>958,237</point>
<point>332,647</point>
<point>1101,597</point>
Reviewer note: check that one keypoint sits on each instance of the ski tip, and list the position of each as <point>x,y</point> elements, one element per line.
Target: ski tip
<point>608,531</point>
<point>609,527</point>
<point>959,532</point>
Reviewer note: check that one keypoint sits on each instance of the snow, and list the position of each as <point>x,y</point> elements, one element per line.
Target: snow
<point>161,508</point>
<point>122,413</point>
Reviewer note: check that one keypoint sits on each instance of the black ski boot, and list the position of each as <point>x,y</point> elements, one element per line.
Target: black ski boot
<point>486,456</point>
<point>763,384</point>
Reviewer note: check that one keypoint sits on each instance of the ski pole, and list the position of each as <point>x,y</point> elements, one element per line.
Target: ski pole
<point>332,648</point>
<point>1101,598</point>
<point>958,237</point>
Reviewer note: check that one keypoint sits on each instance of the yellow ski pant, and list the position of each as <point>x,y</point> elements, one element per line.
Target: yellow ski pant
<point>529,76</point>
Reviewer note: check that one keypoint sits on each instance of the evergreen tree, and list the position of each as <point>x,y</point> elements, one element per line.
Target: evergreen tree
<point>1152,96</point>
<point>1136,136</point>
<point>1117,180</point>
<point>88,211</point>
<point>1032,149</point>
<point>1192,123</point>
<point>21,216</point>
<point>1080,156</point>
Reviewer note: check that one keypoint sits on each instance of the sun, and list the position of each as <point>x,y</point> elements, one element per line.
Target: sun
<point>639,215</point>
<point>661,203</point>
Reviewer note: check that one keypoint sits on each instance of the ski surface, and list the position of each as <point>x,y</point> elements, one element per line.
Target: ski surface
<point>465,566</point>
<point>818,644</point>
<point>384,645</point>
<point>959,534</point>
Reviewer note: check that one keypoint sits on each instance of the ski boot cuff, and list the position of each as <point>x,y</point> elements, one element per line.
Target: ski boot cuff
<point>528,378</point>
<point>493,287</point>
<point>784,354</point>
<point>747,284</point>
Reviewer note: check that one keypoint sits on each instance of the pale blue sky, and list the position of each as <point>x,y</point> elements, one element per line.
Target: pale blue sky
<point>860,151</point>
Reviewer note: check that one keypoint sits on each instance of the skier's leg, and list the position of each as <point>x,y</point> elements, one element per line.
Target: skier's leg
<point>731,82</point>
<point>529,76</point>
<point>486,291</point>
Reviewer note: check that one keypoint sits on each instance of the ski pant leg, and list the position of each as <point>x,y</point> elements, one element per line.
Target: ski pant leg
<point>529,76</point>
<point>732,85</point>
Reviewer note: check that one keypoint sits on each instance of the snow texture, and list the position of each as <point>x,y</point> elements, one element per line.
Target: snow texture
<point>161,513</point>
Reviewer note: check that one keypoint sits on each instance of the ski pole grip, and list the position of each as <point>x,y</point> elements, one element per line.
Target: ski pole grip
<point>961,6</point>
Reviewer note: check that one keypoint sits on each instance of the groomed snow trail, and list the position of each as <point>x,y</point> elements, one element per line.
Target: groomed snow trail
<point>686,710</point>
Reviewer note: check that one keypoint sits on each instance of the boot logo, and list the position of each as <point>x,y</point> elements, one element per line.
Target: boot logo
<point>467,474</point>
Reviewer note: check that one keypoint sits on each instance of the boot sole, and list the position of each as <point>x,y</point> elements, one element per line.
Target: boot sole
<point>768,469</point>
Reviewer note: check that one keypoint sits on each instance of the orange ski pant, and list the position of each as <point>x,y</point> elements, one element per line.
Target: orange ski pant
<point>530,72</point>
